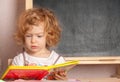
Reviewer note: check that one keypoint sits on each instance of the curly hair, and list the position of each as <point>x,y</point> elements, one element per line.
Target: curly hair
<point>35,16</point>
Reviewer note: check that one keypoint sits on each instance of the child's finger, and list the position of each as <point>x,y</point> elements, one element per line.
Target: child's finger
<point>58,77</point>
<point>62,73</point>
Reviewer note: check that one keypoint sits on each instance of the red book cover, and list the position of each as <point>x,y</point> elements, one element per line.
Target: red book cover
<point>33,72</point>
<point>25,72</point>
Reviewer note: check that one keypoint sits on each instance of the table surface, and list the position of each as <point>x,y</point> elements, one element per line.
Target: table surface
<point>99,80</point>
<point>74,80</point>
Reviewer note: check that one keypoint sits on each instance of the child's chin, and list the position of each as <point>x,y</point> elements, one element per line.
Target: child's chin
<point>34,50</point>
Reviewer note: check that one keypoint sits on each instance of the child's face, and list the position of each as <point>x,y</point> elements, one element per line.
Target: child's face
<point>35,39</point>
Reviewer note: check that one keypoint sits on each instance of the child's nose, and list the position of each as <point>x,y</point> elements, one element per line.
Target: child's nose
<point>33,39</point>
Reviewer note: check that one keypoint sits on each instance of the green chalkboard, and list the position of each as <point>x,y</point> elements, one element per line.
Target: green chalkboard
<point>90,27</point>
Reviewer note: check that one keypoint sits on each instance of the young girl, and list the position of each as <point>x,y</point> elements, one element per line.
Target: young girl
<point>38,31</point>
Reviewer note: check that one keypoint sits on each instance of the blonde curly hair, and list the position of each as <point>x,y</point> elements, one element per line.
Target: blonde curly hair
<point>35,16</point>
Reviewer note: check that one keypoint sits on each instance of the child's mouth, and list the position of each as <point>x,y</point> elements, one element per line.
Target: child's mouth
<point>33,47</point>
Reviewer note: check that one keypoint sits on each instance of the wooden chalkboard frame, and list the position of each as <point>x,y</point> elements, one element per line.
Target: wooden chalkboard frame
<point>85,60</point>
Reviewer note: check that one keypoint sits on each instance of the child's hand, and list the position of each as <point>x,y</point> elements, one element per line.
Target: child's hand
<point>58,74</point>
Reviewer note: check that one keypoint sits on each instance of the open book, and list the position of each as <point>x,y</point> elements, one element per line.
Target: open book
<point>34,72</point>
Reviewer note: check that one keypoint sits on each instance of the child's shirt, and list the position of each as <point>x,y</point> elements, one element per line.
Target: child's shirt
<point>24,57</point>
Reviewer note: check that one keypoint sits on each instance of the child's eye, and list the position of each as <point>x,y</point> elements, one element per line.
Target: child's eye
<point>28,35</point>
<point>39,36</point>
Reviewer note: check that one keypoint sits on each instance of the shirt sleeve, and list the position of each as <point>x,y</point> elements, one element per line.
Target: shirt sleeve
<point>18,60</point>
<point>60,60</point>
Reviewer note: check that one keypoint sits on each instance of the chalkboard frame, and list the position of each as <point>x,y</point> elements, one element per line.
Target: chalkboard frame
<point>85,60</point>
